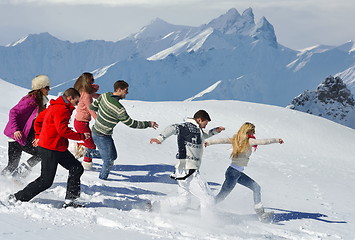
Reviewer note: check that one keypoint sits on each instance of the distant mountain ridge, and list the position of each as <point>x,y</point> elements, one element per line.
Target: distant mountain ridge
<point>332,100</point>
<point>239,57</point>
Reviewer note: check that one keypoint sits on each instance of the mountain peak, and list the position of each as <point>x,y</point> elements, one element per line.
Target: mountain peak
<point>157,29</point>
<point>349,46</point>
<point>159,21</point>
<point>232,22</point>
<point>265,31</point>
<point>332,100</point>
<point>232,12</point>
<point>45,36</point>
<point>248,15</point>
<point>334,89</point>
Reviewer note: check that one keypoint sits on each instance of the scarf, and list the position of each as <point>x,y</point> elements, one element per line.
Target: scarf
<point>95,87</point>
<point>254,146</point>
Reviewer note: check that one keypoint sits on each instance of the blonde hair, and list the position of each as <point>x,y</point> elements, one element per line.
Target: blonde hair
<point>240,141</point>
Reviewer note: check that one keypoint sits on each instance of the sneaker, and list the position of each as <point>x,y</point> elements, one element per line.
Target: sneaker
<point>87,165</point>
<point>72,203</point>
<point>266,217</point>
<point>22,171</point>
<point>259,209</point>
<point>9,201</point>
<point>12,199</point>
<point>5,172</point>
<point>152,206</point>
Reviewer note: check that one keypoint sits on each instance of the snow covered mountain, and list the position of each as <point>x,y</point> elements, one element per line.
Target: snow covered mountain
<point>306,181</point>
<point>241,58</point>
<point>332,100</point>
<point>348,76</point>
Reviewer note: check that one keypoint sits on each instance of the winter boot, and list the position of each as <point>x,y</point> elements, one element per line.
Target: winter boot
<point>87,165</point>
<point>265,217</point>
<point>9,201</point>
<point>259,209</point>
<point>22,171</point>
<point>72,203</point>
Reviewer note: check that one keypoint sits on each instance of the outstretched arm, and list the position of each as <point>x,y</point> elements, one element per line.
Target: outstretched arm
<point>213,131</point>
<point>265,141</point>
<point>218,141</point>
<point>167,132</point>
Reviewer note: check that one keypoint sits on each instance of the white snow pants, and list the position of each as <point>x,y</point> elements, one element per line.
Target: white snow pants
<point>194,185</point>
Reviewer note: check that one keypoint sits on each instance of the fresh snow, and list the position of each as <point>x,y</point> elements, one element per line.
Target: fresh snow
<point>17,42</point>
<point>307,180</point>
<point>207,90</point>
<point>190,44</point>
<point>349,78</point>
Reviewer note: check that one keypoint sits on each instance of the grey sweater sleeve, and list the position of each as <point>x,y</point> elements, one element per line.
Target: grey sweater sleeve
<point>168,131</point>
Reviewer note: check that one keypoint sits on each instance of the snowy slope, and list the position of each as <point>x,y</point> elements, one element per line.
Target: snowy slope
<point>306,181</point>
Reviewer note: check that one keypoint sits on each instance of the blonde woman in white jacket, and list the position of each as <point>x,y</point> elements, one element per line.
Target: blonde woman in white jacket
<point>242,143</point>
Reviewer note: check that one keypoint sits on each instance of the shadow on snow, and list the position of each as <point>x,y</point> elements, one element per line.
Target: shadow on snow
<point>288,215</point>
<point>159,173</point>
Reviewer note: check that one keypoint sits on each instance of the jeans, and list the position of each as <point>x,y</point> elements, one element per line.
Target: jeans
<point>233,177</point>
<point>107,152</point>
<point>50,161</point>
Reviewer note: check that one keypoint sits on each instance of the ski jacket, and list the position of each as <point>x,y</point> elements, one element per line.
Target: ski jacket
<point>110,112</point>
<point>243,158</point>
<point>83,111</point>
<point>21,118</point>
<point>51,126</point>
<point>190,140</point>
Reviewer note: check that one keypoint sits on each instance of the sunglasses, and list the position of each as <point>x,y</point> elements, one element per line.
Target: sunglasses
<point>47,88</point>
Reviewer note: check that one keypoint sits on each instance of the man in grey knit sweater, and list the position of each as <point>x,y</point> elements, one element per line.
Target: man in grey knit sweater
<point>110,112</point>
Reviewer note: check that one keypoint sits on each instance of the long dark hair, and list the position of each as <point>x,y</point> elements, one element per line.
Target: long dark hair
<point>38,95</point>
<point>84,83</point>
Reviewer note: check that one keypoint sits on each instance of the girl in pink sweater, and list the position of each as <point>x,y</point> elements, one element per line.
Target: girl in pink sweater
<point>85,85</point>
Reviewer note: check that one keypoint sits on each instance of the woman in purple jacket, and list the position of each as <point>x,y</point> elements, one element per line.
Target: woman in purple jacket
<point>19,129</point>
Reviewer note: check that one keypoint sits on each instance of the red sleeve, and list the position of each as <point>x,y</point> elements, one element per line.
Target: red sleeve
<point>61,122</point>
<point>38,123</point>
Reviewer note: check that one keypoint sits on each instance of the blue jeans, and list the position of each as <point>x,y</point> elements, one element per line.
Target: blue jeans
<point>107,152</point>
<point>233,177</point>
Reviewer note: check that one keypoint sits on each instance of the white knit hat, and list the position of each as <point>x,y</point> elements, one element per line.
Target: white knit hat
<point>40,81</point>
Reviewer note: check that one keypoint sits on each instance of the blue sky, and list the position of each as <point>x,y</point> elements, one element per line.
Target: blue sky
<point>298,23</point>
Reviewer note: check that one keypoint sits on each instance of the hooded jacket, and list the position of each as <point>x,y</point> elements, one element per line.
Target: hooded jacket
<point>21,118</point>
<point>51,126</point>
